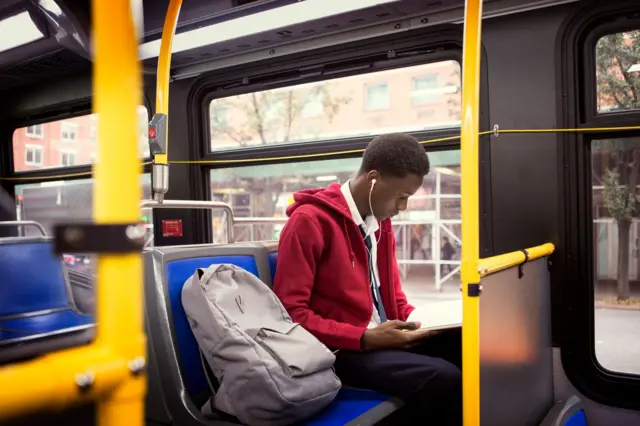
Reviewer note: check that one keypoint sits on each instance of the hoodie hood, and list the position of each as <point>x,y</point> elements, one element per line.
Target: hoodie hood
<point>330,198</point>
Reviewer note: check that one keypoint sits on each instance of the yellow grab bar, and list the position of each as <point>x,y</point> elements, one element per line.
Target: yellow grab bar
<point>498,263</point>
<point>110,369</point>
<point>470,213</point>
<point>164,59</point>
<point>159,126</point>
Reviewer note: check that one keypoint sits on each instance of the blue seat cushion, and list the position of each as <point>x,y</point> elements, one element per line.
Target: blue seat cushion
<point>578,419</point>
<point>178,271</point>
<point>273,262</point>
<point>348,405</point>
<point>39,324</point>
<point>26,288</point>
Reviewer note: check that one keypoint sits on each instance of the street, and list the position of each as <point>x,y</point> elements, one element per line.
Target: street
<point>617,334</point>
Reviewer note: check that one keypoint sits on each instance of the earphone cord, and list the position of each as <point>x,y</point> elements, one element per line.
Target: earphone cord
<point>371,208</point>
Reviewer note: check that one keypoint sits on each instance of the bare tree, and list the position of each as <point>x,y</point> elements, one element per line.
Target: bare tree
<point>270,117</point>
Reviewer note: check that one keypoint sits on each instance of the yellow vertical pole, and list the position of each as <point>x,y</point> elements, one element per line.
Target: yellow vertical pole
<point>116,96</point>
<point>471,212</point>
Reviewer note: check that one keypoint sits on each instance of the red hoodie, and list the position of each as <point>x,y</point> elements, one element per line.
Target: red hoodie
<point>322,277</point>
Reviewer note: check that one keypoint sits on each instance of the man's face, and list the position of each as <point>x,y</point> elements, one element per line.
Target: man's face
<point>391,194</point>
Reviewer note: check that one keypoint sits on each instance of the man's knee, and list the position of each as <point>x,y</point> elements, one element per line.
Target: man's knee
<point>445,381</point>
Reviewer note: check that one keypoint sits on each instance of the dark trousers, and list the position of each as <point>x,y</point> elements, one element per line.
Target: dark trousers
<point>427,378</point>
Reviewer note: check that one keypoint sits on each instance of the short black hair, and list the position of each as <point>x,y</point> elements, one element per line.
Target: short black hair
<point>395,154</point>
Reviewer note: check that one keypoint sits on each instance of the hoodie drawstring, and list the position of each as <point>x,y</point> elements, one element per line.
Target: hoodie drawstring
<point>346,236</point>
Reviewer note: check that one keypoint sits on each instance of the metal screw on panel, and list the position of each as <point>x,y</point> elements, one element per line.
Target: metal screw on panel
<point>134,232</point>
<point>424,20</point>
<point>137,365</point>
<point>84,381</point>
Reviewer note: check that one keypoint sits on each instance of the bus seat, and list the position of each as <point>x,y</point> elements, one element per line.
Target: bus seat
<point>566,413</point>
<point>37,311</point>
<point>183,382</point>
<point>176,349</point>
<point>273,262</point>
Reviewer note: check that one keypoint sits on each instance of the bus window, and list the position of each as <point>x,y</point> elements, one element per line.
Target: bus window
<point>49,203</point>
<point>618,72</point>
<point>416,98</point>
<point>615,177</point>
<point>66,143</point>
<point>616,237</point>
<point>431,220</point>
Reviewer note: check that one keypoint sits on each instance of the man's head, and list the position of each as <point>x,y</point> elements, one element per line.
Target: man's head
<point>394,165</point>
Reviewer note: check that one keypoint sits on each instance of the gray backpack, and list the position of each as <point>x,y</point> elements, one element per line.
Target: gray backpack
<point>270,370</point>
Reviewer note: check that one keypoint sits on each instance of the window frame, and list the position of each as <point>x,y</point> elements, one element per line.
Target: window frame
<point>368,86</point>
<point>34,148</point>
<point>72,153</point>
<point>573,272</point>
<point>80,109</point>
<point>427,45</point>
<point>414,79</point>
<point>35,135</point>
<point>69,128</point>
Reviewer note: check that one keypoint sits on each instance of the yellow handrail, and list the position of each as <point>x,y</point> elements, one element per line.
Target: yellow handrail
<point>470,212</point>
<point>108,370</point>
<point>164,67</point>
<point>159,126</point>
<point>498,263</point>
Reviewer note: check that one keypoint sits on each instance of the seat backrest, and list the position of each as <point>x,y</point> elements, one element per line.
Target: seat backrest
<point>166,270</point>
<point>273,263</point>
<point>33,277</point>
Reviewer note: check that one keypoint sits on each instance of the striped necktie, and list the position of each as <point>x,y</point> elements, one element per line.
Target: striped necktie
<point>375,288</point>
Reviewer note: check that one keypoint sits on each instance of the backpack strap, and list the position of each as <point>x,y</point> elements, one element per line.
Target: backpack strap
<point>211,379</point>
<point>209,410</point>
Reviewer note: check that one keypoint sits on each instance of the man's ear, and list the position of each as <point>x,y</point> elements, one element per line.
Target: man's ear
<point>371,176</point>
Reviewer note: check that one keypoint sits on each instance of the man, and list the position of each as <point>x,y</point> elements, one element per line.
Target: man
<point>448,250</point>
<point>337,276</point>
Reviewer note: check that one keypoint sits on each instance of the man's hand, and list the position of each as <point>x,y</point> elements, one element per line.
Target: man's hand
<point>393,335</point>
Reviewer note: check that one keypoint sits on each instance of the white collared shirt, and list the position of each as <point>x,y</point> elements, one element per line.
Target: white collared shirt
<point>370,226</point>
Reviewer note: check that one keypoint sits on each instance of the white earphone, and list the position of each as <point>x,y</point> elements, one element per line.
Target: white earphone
<point>373,183</point>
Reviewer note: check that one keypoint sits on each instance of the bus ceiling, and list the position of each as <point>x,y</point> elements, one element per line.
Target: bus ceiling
<point>53,39</point>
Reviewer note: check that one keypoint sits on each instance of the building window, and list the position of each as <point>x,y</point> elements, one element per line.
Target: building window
<point>33,155</point>
<point>314,105</point>
<point>431,221</point>
<point>35,131</point>
<point>49,203</point>
<point>68,131</point>
<point>618,72</point>
<point>78,135</point>
<point>67,158</point>
<point>333,109</point>
<point>376,96</point>
<point>425,89</point>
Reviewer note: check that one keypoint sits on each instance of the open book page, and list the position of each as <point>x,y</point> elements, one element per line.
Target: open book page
<point>438,315</point>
